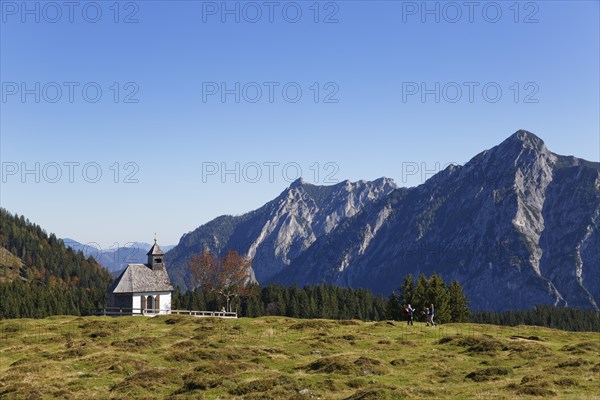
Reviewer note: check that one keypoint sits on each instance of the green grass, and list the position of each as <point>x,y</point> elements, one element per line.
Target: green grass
<point>181,357</point>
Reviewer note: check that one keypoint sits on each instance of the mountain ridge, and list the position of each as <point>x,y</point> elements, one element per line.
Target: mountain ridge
<point>281,229</point>
<point>510,207</point>
<point>513,224</point>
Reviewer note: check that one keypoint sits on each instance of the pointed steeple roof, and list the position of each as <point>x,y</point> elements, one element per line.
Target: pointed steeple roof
<point>155,250</point>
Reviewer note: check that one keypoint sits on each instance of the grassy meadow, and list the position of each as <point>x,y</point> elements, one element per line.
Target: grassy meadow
<point>180,357</point>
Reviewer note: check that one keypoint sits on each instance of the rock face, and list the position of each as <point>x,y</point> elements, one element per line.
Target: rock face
<point>517,226</point>
<point>282,229</point>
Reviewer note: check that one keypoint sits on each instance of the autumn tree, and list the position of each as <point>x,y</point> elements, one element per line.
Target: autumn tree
<point>226,277</point>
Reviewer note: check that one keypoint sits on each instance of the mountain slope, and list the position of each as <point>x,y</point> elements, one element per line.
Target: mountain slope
<point>517,226</point>
<point>277,233</point>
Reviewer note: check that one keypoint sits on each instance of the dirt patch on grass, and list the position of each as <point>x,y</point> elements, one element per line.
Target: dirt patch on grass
<point>342,365</point>
<point>146,379</point>
<point>263,385</point>
<point>127,366</point>
<point>532,385</point>
<point>529,338</point>
<point>20,390</point>
<point>101,333</point>
<point>333,365</point>
<point>370,366</point>
<point>566,382</point>
<point>582,348</point>
<point>399,362</point>
<point>527,350</point>
<point>99,329</point>
<point>185,344</point>
<point>348,322</point>
<point>311,324</point>
<point>216,354</point>
<point>28,365</point>
<point>474,344</point>
<point>488,374</point>
<point>357,383</point>
<point>200,381</point>
<point>579,362</point>
<point>12,327</point>
<point>373,394</point>
<point>191,356</point>
<point>136,343</point>
<point>223,368</point>
<point>172,319</point>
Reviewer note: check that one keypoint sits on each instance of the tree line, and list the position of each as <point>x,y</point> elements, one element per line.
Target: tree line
<point>315,301</point>
<point>225,282</point>
<point>568,319</point>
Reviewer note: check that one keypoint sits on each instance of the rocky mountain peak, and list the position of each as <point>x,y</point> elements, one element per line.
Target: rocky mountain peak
<point>297,183</point>
<point>523,139</point>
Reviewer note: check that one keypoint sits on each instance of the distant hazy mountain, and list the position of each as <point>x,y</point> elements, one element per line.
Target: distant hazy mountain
<point>275,234</point>
<point>517,226</point>
<point>115,259</point>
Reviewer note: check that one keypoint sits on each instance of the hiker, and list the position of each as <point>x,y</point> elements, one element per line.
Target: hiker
<point>410,311</point>
<point>430,316</point>
<point>222,309</point>
<point>425,312</point>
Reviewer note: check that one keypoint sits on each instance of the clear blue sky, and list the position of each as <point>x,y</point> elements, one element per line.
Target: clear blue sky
<point>178,53</point>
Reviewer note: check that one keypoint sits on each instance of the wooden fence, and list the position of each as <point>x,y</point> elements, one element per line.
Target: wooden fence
<point>148,312</point>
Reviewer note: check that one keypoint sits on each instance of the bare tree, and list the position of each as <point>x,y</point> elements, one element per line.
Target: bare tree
<point>226,277</point>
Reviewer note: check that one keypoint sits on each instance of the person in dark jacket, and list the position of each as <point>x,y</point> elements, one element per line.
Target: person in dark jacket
<point>411,312</point>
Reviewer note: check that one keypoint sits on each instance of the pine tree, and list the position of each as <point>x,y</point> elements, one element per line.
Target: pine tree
<point>407,290</point>
<point>421,297</point>
<point>459,306</point>
<point>439,296</point>
<point>393,307</point>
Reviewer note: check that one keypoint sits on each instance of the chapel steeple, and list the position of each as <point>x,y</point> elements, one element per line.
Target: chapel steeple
<point>155,257</point>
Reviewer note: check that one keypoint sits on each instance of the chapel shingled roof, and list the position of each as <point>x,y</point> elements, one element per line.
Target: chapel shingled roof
<point>141,278</point>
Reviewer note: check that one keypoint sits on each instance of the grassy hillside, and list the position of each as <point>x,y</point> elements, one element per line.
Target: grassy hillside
<point>283,358</point>
<point>10,266</point>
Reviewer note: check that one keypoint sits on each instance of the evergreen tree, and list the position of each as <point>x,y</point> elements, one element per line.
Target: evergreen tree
<point>421,297</point>
<point>439,296</point>
<point>407,290</point>
<point>394,308</point>
<point>459,306</point>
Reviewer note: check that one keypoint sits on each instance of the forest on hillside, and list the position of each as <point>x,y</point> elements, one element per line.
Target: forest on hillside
<point>53,279</point>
